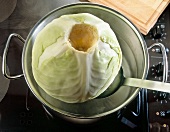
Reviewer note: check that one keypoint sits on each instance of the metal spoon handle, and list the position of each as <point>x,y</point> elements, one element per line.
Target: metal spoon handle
<point>151,85</point>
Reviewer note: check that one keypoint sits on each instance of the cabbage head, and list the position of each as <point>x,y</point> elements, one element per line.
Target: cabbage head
<point>76,57</point>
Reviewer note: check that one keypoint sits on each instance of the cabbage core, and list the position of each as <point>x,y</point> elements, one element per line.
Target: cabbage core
<point>83,36</point>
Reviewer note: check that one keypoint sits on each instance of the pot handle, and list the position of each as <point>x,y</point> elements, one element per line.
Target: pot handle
<point>4,59</point>
<point>165,60</point>
<point>165,72</point>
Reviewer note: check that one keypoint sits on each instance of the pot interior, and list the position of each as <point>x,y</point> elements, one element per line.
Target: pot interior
<point>134,63</point>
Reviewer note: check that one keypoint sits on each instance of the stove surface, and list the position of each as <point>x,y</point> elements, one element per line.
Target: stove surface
<point>159,102</point>
<point>21,111</point>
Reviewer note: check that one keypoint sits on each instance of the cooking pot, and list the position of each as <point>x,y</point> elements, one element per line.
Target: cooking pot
<point>135,62</point>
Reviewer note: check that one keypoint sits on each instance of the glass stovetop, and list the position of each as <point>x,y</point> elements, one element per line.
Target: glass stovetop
<point>21,111</point>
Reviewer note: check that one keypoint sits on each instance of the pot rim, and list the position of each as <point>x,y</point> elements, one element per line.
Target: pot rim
<point>135,29</point>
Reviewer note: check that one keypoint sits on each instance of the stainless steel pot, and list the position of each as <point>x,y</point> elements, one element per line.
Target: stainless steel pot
<point>135,62</point>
